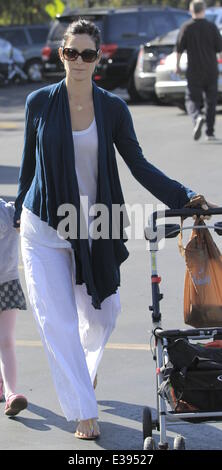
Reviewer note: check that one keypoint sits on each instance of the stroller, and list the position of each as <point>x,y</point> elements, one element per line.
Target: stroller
<point>11,63</point>
<point>188,375</point>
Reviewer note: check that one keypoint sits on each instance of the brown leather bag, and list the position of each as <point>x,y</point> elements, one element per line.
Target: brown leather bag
<point>203,280</point>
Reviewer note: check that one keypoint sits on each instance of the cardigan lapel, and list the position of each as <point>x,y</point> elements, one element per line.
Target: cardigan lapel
<point>102,164</point>
<point>103,182</point>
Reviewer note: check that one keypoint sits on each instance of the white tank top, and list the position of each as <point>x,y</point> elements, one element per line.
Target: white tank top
<point>86,160</point>
<point>86,165</point>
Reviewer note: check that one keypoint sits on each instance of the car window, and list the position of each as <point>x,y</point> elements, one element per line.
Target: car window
<point>38,35</point>
<point>17,37</point>
<point>159,23</point>
<point>122,27</point>
<point>56,33</point>
<point>180,18</point>
<point>147,29</point>
<point>58,30</point>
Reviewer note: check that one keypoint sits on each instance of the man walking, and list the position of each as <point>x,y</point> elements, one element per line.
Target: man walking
<point>202,41</point>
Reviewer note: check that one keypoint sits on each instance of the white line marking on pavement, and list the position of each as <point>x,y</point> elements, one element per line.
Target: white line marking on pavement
<point>124,346</point>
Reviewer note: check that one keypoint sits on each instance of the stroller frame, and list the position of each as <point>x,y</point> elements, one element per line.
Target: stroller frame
<point>160,353</point>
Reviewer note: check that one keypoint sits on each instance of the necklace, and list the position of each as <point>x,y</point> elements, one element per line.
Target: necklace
<point>79,107</point>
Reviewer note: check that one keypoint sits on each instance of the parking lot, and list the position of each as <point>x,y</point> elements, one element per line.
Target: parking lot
<point>126,376</point>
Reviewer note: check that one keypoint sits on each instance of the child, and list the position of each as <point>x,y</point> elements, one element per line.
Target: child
<point>11,300</point>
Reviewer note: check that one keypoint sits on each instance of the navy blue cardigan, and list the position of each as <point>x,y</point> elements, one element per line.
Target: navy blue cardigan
<point>48,178</point>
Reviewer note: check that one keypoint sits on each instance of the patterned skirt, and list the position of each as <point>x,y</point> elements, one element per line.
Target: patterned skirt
<point>12,296</point>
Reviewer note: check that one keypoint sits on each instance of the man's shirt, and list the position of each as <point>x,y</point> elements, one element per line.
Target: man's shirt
<point>202,41</point>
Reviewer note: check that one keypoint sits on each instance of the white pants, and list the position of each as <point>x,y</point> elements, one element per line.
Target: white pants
<point>73,332</point>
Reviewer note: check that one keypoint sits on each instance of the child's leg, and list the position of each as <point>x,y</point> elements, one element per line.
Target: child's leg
<point>7,350</point>
<point>1,384</point>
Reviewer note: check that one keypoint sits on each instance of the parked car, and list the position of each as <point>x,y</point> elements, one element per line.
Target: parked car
<point>214,14</point>
<point>29,39</point>
<point>149,56</point>
<point>122,32</point>
<point>11,63</point>
<point>170,87</point>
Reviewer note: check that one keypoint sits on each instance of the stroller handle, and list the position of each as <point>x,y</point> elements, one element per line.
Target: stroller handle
<point>184,212</point>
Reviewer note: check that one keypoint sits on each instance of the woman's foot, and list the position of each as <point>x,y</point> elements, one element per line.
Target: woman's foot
<point>88,429</point>
<point>15,404</point>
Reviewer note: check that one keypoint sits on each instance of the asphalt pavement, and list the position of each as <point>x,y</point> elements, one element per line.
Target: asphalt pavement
<point>126,376</point>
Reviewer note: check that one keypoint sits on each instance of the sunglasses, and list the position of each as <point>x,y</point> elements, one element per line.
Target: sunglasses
<point>88,55</point>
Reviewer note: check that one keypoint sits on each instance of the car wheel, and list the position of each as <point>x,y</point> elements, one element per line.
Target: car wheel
<point>131,88</point>
<point>34,70</point>
<point>181,105</point>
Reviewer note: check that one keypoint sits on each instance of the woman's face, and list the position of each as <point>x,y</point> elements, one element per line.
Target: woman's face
<point>78,69</point>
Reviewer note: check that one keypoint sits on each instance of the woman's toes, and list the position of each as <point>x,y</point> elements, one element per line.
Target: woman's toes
<point>88,429</point>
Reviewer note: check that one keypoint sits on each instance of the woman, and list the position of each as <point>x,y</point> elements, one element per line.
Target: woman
<point>71,129</point>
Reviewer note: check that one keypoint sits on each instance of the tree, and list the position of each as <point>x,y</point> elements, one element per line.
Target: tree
<point>29,11</point>
<point>40,11</point>
<point>54,8</point>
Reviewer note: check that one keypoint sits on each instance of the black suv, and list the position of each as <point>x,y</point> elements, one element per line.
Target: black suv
<point>122,32</point>
<point>30,39</point>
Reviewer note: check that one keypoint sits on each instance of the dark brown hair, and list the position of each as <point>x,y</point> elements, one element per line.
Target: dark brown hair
<point>82,27</point>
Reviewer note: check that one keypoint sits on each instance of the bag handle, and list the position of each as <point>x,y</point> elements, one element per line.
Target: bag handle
<point>196,201</point>
<point>180,239</point>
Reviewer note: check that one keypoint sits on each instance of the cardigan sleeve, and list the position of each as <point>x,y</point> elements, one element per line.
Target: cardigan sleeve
<point>27,169</point>
<point>169,191</point>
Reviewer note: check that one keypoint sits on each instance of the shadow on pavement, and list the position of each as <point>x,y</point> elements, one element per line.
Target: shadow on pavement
<point>115,436</point>
<point>125,410</point>
<point>209,435</point>
<point>48,419</point>
<point>119,437</point>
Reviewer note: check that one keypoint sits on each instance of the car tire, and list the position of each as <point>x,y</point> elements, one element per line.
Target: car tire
<point>131,88</point>
<point>181,106</point>
<point>34,70</point>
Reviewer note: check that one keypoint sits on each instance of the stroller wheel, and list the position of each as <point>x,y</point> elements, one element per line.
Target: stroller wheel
<point>147,423</point>
<point>179,443</point>
<point>149,444</point>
